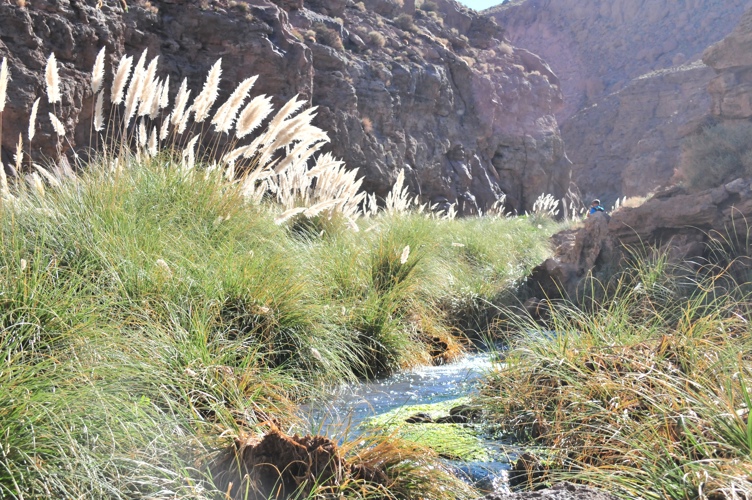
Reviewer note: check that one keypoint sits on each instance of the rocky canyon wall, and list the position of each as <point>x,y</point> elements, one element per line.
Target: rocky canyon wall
<point>430,89</point>
<point>676,218</point>
<point>632,80</point>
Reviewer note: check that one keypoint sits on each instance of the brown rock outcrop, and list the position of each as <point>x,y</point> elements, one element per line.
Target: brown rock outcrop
<point>731,58</point>
<point>435,93</point>
<point>630,77</point>
<point>277,466</point>
<point>681,221</point>
<point>628,144</point>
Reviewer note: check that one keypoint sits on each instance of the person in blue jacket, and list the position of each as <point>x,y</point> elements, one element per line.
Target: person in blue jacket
<point>595,206</point>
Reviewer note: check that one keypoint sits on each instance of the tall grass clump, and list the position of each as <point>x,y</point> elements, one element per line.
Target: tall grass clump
<point>644,393</point>
<point>199,275</point>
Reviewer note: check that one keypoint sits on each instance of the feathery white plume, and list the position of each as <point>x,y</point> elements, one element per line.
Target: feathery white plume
<point>33,119</point>
<point>224,118</point>
<point>252,115</point>
<point>121,78</point>
<point>179,114</point>
<point>57,125</point>
<point>98,113</point>
<point>405,255</point>
<point>52,78</point>
<point>97,74</point>
<point>208,95</point>
<point>4,77</point>
<point>153,142</point>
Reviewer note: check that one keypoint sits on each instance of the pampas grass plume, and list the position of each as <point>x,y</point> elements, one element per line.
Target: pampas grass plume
<point>164,96</point>
<point>164,131</point>
<point>133,95</point>
<point>52,78</point>
<point>57,125</point>
<point>405,255</point>
<point>97,74</point>
<point>99,113</point>
<point>153,142</point>
<point>19,155</point>
<point>33,119</point>
<point>121,78</point>
<point>252,115</point>
<point>4,77</point>
<point>179,114</point>
<point>208,95</point>
<point>226,114</point>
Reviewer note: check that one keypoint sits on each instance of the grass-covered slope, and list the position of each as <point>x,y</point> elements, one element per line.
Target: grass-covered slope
<point>146,311</point>
<point>645,393</point>
<point>172,295</point>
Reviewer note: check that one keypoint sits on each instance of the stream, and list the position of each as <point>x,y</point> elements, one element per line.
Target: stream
<point>349,406</point>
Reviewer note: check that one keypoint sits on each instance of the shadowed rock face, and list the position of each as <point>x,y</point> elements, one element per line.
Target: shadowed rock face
<point>630,74</point>
<point>731,58</point>
<point>434,93</point>
<point>675,218</point>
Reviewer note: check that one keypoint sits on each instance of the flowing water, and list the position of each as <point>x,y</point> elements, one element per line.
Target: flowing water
<point>349,406</point>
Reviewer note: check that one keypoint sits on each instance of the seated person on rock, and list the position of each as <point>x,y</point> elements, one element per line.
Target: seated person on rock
<point>595,206</point>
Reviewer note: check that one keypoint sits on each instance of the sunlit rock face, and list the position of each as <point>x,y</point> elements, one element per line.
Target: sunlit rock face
<point>433,91</point>
<point>632,80</point>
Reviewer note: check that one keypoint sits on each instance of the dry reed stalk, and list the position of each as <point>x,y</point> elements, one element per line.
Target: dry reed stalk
<point>121,78</point>
<point>97,73</point>
<point>225,116</point>
<point>179,114</point>
<point>149,89</point>
<point>4,191</point>
<point>19,153</point>
<point>133,94</point>
<point>33,119</point>
<point>208,95</point>
<point>141,130</point>
<point>164,131</point>
<point>252,115</point>
<point>4,77</point>
<point>99,113</point>
<point>52,78</point>
<point>164,95</point>
<point>57,125</point>
<point>152,146</point>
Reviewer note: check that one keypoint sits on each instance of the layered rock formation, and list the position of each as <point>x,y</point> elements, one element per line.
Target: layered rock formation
<point>631,78</point>
<point>674,217</point>
<point>681,221</point>
<point>432,91</point>
<point>731,58</point>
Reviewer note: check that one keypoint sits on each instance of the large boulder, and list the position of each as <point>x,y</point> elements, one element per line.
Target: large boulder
<point>674,219</point>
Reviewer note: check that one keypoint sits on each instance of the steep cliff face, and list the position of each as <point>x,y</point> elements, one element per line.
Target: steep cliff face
<point>432,91</point>
<point>731,58</point>
<point>675,217</point>
<point>630,76</point>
